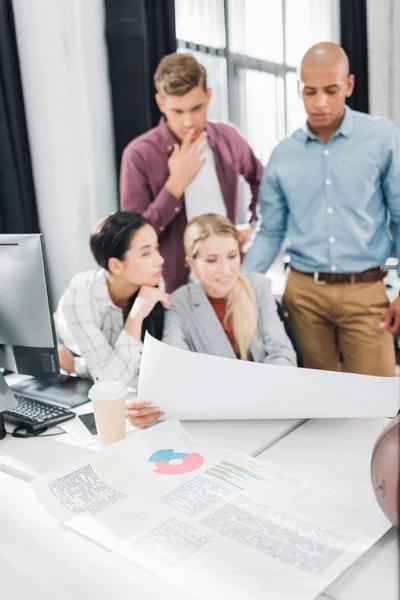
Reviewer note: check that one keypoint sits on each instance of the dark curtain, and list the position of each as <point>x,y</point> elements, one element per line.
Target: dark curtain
<point>353,32</point>
<point>138,33</point>
<point>17,195</point>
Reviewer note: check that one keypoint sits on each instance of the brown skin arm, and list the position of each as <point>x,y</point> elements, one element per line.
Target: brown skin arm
<point>391,319</point>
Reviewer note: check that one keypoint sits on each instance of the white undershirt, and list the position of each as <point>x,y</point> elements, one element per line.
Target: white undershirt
<point>204,194</point>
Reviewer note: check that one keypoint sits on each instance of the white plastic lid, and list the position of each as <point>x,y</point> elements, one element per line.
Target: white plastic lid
<point>107,390</point>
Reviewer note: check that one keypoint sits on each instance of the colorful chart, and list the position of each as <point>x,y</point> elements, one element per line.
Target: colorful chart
<point>230,472</point>
<point>163,462</point>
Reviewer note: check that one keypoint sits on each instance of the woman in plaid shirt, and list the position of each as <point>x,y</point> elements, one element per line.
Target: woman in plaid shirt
<point>103,315</point>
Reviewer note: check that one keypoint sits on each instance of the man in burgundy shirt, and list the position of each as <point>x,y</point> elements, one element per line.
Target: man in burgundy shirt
<point>186,166</point>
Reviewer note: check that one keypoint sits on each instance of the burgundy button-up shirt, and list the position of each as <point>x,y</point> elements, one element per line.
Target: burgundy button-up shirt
<point>144,172</point>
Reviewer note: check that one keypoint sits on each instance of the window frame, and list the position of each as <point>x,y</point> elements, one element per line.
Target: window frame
<point>235,62</point>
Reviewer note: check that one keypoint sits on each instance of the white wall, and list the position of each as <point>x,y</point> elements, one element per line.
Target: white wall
<point>384,58</point>
<point>62,54</point>
<point>65,82</point>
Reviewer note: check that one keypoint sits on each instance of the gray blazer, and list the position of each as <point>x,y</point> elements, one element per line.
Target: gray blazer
<point>191,324</point>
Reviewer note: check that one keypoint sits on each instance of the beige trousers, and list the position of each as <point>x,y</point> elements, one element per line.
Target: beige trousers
<point>340,319</point>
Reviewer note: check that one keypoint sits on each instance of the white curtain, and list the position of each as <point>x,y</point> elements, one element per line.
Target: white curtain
<point>62,53</point>
<point>395,107</point>
<point>384,58</point>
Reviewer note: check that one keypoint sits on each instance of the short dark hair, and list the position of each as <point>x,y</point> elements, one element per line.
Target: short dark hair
<point>113,235</point>
<point>179,73</point>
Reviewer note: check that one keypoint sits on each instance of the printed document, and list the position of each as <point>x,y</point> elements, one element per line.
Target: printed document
<point>216,523</point>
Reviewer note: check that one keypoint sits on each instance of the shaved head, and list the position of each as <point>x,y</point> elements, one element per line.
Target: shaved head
<point>325,84</point>
<point>325,55</point>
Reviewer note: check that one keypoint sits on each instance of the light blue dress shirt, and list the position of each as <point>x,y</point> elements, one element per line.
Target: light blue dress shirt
<point>332,202</point>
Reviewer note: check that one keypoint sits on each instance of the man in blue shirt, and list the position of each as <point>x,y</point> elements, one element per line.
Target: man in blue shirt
<point>330,191</point>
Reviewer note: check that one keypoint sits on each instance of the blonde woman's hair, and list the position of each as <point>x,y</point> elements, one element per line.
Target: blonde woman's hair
<point>241,305</point>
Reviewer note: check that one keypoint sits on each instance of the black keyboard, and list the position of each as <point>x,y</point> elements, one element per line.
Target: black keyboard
<point>34,415</point>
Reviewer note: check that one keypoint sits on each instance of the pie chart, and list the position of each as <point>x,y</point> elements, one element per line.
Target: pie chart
<point>169,462</point>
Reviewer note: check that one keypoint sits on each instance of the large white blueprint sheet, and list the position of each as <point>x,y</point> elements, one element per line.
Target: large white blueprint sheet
<point>189,385</point>
<point>216,523</point>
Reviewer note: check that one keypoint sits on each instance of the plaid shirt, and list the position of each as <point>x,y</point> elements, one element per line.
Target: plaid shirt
<point>92,326</point>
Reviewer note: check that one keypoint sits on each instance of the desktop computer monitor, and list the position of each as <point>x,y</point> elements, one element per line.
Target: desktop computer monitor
<point>28,342</point>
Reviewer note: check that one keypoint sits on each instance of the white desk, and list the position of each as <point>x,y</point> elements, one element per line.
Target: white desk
<point>30,457</point>
<point>41,559</point>
<point>250,437</point>
<point>339,451</point>
<point>47,560</point>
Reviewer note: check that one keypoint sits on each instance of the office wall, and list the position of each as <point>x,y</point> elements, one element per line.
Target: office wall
<point>66,90</point>
<point>384,58</point>
<point>65,84</point>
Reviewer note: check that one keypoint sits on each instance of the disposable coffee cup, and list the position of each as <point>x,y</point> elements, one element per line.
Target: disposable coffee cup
<point>108,399</point>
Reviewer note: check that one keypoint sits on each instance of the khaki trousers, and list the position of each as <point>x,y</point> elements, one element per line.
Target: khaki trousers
<point>340,318</point>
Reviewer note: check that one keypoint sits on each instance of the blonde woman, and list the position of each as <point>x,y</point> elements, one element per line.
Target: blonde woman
<point>224,312</point>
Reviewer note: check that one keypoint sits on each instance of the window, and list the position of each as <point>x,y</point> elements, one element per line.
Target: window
<point>251,50</point>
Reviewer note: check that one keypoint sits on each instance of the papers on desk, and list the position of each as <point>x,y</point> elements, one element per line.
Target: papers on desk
<point>216,523</point>
<point>189,385</point>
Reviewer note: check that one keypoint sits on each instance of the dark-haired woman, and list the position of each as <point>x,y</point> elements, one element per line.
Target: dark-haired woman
<point>103,315</point>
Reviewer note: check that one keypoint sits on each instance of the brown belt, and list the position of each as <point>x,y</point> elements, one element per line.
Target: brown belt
<point>376,274</point>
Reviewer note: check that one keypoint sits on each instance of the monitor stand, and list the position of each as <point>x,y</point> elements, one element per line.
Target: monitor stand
<point>3,431</point>
<point>7,401</point>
